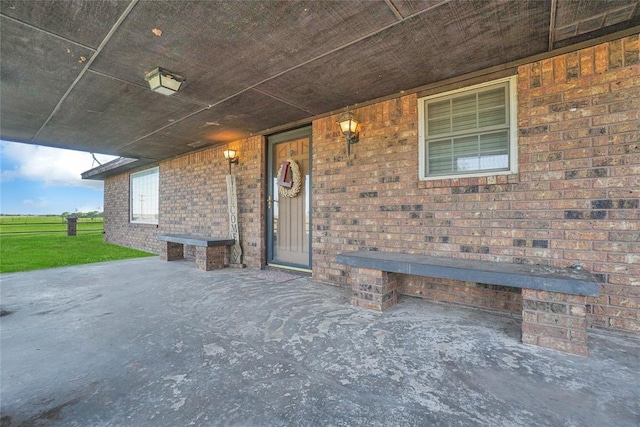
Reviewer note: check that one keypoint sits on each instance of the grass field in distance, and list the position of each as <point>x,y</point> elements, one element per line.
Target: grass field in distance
<point>39,224</point>
<point>34,242</point>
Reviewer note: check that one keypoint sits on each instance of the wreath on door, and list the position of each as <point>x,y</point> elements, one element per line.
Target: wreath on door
<point>289,178</point>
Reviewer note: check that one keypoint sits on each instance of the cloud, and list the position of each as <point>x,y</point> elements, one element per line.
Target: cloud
<point>53,166</point>
<point>37,204</point>
<point>89,208</point>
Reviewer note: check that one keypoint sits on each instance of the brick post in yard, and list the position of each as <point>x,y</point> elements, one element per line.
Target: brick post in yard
<point>72,225</point>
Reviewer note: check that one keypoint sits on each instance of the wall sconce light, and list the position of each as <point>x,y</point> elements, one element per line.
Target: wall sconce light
<point>164,81</point>
<point>231,156</point>
<point>349,127</point>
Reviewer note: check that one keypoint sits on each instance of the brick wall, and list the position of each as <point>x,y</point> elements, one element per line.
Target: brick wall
<point>117,227</point>
<point>575,198</point>
<point>194,200</point>
<point>580,140</point>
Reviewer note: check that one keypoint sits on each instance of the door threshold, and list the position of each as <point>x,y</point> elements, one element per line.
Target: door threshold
<point>288,267</point>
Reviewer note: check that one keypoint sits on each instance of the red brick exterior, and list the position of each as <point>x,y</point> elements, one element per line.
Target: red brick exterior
<point>582,168</point>
<point>117,228</point>
<point>193,200</point>
<point>193,197</point>
<point>575,197</point>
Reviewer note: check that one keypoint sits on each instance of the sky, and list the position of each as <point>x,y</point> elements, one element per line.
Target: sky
<point>41,180</point>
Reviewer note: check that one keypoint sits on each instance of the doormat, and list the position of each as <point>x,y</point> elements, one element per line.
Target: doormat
<point>275,276</point>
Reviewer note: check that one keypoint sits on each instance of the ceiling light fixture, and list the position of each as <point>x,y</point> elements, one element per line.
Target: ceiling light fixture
<point>349,126</point>
<point>164,81</point>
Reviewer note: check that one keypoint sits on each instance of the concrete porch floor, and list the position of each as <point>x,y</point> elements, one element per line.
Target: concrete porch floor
<point>148,343</point>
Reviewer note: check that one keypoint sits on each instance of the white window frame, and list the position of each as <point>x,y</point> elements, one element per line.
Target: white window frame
<point>512,110</point>
<point>132,179</point>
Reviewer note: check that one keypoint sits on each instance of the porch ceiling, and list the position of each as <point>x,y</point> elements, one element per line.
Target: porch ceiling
<point>72,72</point>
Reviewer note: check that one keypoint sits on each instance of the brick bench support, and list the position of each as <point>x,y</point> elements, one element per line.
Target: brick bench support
<point>211,257</point>
<point>374,289</point>
<point>212,253</point>
<point>553,299</point>
<point>555,320</point>
<point>172,251</point>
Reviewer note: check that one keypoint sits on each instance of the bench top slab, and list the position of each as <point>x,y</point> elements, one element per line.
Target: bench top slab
<point>189,239</point>
<point>565,280</point>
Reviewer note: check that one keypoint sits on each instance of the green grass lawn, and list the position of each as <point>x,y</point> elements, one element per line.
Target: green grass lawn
<point>22,252</point>
<point>37,224</point>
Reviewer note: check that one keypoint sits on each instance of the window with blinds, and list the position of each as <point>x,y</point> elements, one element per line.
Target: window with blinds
<point>145,188</point>
<point>468,132</point>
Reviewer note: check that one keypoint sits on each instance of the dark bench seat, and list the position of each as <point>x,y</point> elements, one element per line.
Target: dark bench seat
<point>565,280</point>
<point>553,299</point>
<point>211,252</point>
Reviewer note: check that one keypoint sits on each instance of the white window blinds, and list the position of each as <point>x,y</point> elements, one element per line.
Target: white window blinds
<point>468,132</point>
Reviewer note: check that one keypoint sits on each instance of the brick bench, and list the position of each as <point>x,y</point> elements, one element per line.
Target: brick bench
<point>553,299</point>
<point>211,252</point>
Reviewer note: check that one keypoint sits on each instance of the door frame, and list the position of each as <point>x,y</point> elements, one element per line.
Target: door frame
<point>272,140</point>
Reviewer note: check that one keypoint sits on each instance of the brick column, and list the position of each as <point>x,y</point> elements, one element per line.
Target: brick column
<point>172,251</point>
<point>72,225</point>
<point>374,289</point>
<point>211,258</point>
<point>555,320</point>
